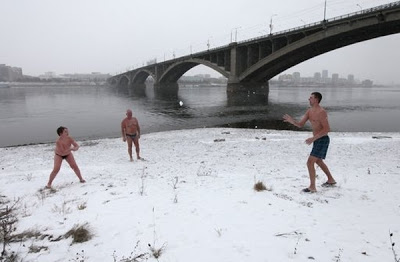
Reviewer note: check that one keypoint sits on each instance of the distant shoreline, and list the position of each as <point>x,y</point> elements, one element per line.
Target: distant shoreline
<point>25,84</point>
<point>328,85</point>
<point>104,84</point>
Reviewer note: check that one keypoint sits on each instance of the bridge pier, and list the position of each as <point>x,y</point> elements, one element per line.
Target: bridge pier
<point>247,94</point>
<point>131,89</point>
<point>249,87</point>
<point>138,89</point>
<point>243,99</point>
<point>166,90</point>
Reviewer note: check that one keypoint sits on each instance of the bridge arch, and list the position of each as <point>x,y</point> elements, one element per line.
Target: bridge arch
<point>123,80</point>
<point>140,76</point>
<point>178,69</point>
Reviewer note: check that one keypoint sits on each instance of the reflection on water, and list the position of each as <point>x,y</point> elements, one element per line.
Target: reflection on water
<point>32,114</point>
<point>247,99</point>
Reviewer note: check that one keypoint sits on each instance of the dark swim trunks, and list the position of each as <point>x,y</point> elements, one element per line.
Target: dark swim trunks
<point>132,136</point>
<point>63,157</point>
<point>320,147</point>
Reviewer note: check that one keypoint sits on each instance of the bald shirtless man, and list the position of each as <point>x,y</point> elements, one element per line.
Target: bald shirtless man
<point>130,130</point>
<point>64,147</point>
<point>320,139</point>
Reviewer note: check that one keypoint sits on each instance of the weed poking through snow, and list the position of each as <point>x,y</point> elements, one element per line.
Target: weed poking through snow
<point>174,187</point>
<point>339,255</point>
<point>80,257</point>
<point>203,170</point>
<point>63,210</point>
<point>142,177</point>
<point>396,258</point>
<point>219,231</point>
<point>156,252</point>
<point>133,257</point>
<point>8,220</point>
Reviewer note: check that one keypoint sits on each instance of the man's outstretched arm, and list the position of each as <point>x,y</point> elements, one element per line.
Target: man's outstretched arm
<point>287,118</point>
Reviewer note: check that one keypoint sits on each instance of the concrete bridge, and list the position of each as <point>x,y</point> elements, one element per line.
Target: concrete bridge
<point>248,65</point>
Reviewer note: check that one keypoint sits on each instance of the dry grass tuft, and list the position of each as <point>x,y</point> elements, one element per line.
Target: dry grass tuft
<point>37,249</point>
<point>259,186</point>
<point>27,234</point>
<point>82,206</point>
<point>79,234</point>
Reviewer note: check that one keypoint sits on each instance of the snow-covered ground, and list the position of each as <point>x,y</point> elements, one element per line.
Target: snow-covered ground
<point>193,198</point>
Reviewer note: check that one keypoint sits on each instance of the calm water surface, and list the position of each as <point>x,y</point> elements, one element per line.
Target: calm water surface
<point>31,114</point>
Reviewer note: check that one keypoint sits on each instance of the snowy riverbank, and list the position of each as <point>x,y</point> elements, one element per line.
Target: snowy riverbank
<point>193,195</point>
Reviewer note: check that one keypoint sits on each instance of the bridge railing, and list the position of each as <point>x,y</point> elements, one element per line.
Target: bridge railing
<point>373,9</point>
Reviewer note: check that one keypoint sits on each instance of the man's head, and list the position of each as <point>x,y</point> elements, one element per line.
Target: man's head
<point>317,96</point>
<point>129,113</point>
<point>60,130</point>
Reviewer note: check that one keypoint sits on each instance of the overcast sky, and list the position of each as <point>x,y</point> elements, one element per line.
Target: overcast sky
<point>84,36</point>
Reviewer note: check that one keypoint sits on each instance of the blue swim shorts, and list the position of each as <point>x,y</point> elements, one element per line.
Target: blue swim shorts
<point>320,147</point>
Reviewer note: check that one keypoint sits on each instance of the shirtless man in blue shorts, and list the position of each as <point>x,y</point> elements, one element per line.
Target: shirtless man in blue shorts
<point>320,139</point>
<point>130,130</point>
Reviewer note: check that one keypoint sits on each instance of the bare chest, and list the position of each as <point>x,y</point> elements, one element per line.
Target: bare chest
<point>131,123</point>
<point>314,117</point>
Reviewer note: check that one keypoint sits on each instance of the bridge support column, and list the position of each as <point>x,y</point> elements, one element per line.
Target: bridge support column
<point>247,94</point>
<point>138,89</point>
<point>166,89</point>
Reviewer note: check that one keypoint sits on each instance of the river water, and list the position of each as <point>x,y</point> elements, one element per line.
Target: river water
<point>31,114</point>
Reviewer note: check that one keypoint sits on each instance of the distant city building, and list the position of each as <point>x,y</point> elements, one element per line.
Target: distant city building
<point>367,83</point>
<point>335,79</point>
<point>350,79</point>
<point>319,79</point>
<point>9,74</point>
<point>201,79</point>
<point>95,77</point>
<point>203,75</point>
<point>325,75</point>
<point>92,77</point>
<point>48,75</point>
<point>14,74</point>
<point>285,78</point>
<point>191,79</point>
<point>296,77</point>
